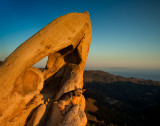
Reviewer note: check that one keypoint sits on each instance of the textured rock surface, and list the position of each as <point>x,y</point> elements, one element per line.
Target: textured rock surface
<point>75,117</point>
<point>27,93</point>
<point>37,115</point>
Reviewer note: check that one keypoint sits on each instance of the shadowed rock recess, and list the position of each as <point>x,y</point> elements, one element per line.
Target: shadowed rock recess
<point>28,94</point>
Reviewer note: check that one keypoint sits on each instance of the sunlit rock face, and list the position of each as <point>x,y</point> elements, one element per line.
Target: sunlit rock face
<point>28,94</point>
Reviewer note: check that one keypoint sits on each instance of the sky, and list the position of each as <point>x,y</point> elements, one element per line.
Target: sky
<point>125,33</point>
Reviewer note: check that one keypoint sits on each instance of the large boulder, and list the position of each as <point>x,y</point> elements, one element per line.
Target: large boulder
<point>25,90</point>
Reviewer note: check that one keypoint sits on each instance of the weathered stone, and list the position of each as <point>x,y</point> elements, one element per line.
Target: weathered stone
<point>66,41</point>
<point>37,115</point>
<point>75,117</point>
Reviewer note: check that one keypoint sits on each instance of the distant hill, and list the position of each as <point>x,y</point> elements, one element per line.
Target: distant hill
<point>119,101</point>
<point>104,77</point>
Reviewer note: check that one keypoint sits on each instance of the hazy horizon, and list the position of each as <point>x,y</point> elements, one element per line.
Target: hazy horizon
<point>142,73</point>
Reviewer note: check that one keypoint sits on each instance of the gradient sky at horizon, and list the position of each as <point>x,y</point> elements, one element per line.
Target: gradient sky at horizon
<point>126,33</point>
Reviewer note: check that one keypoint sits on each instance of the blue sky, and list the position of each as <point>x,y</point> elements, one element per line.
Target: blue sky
<point>126,33</point>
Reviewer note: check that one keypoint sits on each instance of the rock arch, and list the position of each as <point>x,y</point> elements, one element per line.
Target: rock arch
<point>27,93</point>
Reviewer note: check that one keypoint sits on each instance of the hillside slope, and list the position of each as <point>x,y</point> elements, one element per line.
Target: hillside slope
<point>121,101</point>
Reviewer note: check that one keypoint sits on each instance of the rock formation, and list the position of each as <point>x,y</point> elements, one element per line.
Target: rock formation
<point>28,94</point>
